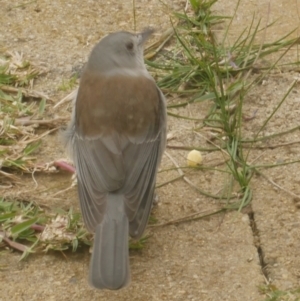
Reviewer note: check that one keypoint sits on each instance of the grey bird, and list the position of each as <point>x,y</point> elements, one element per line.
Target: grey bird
<point>117,137</point>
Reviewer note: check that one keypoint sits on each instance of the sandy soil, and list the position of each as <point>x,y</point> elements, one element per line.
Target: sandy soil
<point>215,258</point>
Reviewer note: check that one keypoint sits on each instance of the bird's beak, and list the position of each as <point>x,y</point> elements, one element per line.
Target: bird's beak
<point>144,35</point>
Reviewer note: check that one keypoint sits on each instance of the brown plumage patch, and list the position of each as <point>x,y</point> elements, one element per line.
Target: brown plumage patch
<point>121,103</point>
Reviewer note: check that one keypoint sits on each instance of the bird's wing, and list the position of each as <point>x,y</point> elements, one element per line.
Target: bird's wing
<point>118,141</point>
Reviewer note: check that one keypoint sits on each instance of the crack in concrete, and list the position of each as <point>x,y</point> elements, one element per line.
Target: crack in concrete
<point>256,240</point>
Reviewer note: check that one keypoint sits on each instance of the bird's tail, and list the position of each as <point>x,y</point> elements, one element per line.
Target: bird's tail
<point>109,267</point>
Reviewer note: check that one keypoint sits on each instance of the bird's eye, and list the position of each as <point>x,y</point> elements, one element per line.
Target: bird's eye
<point>129,46</point>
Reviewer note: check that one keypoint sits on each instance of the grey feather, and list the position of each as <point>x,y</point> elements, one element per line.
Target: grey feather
<point>109,267</point>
